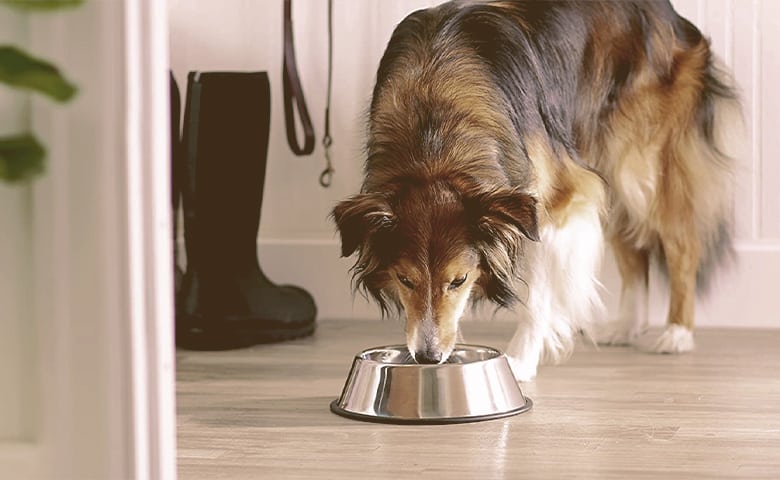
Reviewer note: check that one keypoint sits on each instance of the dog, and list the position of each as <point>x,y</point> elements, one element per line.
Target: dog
<point>509,142</point>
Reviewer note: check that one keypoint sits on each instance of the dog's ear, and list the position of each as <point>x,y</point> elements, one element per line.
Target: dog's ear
<point>498,209</point>
<point>361,216</point>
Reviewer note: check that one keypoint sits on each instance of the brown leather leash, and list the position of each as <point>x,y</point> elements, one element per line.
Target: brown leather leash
<point>326,177</point>
<point>294,98</point>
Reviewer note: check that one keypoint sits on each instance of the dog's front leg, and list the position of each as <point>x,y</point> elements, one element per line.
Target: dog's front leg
<point>524,350</point>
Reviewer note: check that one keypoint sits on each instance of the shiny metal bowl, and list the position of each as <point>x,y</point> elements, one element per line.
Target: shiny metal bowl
<point>386,385</point>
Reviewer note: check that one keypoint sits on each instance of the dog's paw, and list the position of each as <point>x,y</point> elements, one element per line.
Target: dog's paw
<point>615,333</point>
<point>675,339</point>
<point>523,369</point>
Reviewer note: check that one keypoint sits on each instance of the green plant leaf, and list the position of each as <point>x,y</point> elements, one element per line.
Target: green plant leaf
<point>21,158</point>
<point>42,4</point>
<point>23,71</point>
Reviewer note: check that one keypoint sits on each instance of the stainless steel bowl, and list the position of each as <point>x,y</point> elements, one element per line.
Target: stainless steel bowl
<point>386,385</point>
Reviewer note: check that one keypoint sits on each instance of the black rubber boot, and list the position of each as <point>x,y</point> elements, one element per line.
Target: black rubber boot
<point>226,301</point>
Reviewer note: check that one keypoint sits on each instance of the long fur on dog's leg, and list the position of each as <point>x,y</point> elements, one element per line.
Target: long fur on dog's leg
<point>563,291</point>
<point>525,350</point>
<point>632,317</point>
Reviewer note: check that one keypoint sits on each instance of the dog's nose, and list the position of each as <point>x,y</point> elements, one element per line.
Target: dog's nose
<point>428,357</point>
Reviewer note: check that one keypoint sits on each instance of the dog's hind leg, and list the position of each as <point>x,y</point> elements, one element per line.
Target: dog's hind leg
<point>688,209</point>
<point>681,252</point>
<point>632,317</point>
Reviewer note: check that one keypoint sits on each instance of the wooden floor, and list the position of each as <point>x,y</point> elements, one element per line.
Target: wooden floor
<point>262,413</point>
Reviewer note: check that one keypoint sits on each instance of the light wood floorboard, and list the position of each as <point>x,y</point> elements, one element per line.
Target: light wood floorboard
<point>616,413</point>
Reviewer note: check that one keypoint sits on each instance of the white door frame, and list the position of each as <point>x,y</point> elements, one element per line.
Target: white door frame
<point>150,225</point>
<point>101,252</point>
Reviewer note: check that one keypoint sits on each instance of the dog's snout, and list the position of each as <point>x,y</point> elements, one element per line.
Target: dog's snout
<point>428,357</point>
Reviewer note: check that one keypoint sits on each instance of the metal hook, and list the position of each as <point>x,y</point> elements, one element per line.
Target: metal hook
<point>326,177</point>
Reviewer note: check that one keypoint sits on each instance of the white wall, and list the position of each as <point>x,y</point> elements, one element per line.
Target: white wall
<point>297,242</point>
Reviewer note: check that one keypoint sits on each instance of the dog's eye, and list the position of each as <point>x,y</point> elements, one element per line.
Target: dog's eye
<point>406,282</point>
<point>457,282</point>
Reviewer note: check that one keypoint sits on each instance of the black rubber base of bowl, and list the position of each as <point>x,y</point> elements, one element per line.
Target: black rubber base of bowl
<point>428,421</point>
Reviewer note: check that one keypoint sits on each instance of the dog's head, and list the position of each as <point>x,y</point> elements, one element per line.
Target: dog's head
<point>428,250</point>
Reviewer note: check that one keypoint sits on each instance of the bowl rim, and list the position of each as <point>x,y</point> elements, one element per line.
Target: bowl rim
<point>361,356</point>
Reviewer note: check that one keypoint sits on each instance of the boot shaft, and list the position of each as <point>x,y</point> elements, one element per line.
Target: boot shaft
<point>225,300</point>
<point>226,129</point>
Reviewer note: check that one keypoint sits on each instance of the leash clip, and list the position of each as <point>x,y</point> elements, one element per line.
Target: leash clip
<point>326,177</point>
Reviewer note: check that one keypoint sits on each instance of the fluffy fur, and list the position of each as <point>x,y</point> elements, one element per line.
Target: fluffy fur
<point>508,139</point>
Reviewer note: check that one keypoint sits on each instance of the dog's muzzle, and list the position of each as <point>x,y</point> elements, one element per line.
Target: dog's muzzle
<point>428,356</point>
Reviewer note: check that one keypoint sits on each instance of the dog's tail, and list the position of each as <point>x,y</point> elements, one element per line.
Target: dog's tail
<point>722,125</point>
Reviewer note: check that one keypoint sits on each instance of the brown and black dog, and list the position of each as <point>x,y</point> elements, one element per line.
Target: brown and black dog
<point>508,139</point>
